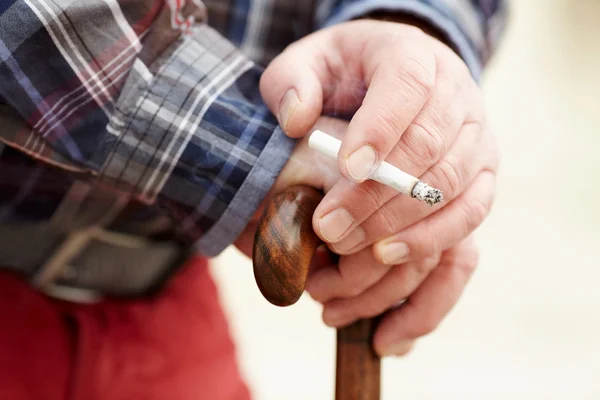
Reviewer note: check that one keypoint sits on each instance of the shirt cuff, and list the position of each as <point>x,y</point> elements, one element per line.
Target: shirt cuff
<point>248,198</point>
<point>193,136</point>
<point>436,14</point>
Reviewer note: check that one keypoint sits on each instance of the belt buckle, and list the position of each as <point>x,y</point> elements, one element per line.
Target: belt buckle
<point>58,264</point>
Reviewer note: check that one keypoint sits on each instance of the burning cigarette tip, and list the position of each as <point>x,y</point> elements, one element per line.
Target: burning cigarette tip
<point>386,173</point>
<point>427,194</point>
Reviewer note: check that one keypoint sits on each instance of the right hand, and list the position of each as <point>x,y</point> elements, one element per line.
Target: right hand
<point>305,167</point>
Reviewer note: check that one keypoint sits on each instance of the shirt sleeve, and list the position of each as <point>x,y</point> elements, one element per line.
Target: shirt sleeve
<point>473,26</point>
<point>185,130</point>
<point>193,134</point>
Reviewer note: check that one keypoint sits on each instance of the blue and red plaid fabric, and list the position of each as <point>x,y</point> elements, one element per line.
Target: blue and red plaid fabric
<point>159,99</point>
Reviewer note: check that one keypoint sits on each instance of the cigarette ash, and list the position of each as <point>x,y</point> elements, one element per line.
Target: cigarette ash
<point>426,193</point>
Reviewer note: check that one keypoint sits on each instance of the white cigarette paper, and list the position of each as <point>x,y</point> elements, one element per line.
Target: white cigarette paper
<point>386,174</point>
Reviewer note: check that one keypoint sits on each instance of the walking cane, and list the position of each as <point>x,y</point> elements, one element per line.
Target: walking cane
<point>284,246</point>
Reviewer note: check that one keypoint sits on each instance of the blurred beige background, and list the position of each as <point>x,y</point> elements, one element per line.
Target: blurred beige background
<point>528,326</point>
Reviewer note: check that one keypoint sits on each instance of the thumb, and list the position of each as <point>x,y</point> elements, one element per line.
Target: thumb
<point>291,87</point>
<point>308,167</point>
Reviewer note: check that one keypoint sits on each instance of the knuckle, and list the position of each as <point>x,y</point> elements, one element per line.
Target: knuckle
<point>318,291</point>
<point>467,260</point>
<point>415,75</point>
<point>471,262</point>
<point>384,124</point>
<point>475,212</point>
<point>448,177</point>
<point>453,65</point>
<point>448,116</point>
<point>468,263</point>
<point>427,265</point>
<point>383,222</point>
<point>424,143</point>
<point>388,223</point>
<point>372,196</point>
<point>317,296</point>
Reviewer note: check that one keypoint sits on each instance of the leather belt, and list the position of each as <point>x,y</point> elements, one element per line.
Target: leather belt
<point>76,255</point>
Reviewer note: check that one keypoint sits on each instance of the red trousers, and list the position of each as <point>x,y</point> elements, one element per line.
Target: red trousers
<point>175,346</point>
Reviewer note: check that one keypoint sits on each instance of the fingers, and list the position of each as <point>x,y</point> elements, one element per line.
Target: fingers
<point>345,207</point>
<point>429,304</point>
<point>472,152</point>
<point>400,79</point>
<point>443,229</point>
<point>311,78</point>
<point>422,145</point>
<point>292,90</point>
<point>351,277</point>
<point>394,287</point>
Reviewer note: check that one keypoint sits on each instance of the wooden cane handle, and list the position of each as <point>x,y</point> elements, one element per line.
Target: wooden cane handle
<point>284,246</point>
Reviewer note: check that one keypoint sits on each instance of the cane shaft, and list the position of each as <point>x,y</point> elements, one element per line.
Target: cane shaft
<point>357,365</point>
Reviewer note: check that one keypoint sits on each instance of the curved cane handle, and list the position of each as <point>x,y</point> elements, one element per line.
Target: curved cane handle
<point>285,244</point>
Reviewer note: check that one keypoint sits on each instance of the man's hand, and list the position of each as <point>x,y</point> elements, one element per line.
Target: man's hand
<point>415,105</point>
<point>359,286</point>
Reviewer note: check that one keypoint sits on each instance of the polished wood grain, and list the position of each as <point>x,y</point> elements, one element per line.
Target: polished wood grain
<point>284,246</point>
<point>358,367</point>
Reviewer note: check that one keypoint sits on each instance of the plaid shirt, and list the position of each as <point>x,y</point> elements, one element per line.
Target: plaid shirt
<point>153,99</point>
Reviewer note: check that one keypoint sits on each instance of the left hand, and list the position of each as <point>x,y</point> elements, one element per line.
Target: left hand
<point>360,287</point>
<point>416,106</point>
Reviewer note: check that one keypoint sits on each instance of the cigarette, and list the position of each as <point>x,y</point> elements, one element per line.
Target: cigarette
<point>386,174</point>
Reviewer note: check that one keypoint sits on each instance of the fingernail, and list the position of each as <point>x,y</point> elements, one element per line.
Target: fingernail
<point>333,317</point>
<point>350,242</point>
<point>361,162</point>
<point>288,105</point>
<point>399,349</point>
<point>394,253</point>
<point>335,224</point>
